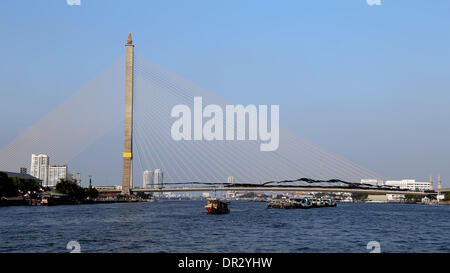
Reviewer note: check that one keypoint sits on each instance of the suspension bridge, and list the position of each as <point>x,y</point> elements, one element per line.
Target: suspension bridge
<point>72,131</point>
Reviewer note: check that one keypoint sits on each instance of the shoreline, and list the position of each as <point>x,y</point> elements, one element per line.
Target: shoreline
<point>32,202</point>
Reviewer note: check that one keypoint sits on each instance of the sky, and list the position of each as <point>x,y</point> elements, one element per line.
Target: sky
<point>368,83</point>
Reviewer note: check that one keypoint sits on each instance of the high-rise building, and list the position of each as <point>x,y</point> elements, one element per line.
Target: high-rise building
<point>373,182</point>
<point>39,167</point>
<point>23,170</point>
<point>230,179</point>
<point>230,194</point>
<point>158,179</point>
<point>147,179</point>
<point>55,174</point>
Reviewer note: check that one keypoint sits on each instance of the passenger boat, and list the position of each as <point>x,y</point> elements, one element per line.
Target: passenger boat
<point>330,202</point>
<point>281,204</point>
<point>306,203</point>
<point>274,204</point>
<point>301,203</point>
<point>318,203</point>
<point>215,206</point>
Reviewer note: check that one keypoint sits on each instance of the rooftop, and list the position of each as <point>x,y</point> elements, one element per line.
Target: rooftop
<point>21,175</point>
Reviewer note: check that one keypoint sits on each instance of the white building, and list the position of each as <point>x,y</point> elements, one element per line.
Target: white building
<point>230,195</point>
<point>115,187</point>
<point>55,174</point>
<point>230,179</point>
<point>158,179</point>
<point>374,182</point>
<point>39,167</point>
<point>409,184</point>
<point>147,179</point>
<point>395,197</point>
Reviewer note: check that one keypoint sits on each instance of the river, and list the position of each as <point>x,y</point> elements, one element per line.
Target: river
<point>183,226</point>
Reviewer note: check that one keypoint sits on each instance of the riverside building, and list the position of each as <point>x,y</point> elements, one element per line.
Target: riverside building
<point>39,167</point>
<point>409,184</point>
<point>158,179</point>
<point>55,174</point>
<point>147,179</point>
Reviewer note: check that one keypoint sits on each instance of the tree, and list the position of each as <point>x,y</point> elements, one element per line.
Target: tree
<point>12,186</point>
<point>359,196</point>
<point>7,187</point>
<point>91,192</point>
<point>71,188</point>
<point>447,196</point>
<point>409,198</point>
<point>26,185</point>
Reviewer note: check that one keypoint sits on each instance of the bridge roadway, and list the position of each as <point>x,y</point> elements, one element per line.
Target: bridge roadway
<point>280,189</point>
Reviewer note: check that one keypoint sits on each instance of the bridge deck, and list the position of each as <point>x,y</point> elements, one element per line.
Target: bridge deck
<point>279,189</point>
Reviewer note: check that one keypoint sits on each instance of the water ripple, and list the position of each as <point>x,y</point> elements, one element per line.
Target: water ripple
<point>183,226</point>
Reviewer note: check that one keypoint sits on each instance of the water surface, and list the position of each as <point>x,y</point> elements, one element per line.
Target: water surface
<point>183,226</point>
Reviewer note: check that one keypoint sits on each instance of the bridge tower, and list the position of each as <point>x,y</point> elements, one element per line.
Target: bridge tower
<point>127,172</point>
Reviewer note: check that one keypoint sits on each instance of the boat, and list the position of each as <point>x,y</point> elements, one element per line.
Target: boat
<point>215,206</point>
<point>281,204</point>
<point>274,204</point>
<point>318,203</point>
<point>301,203</point>
<point>330,202</point>
<point>305,203</point>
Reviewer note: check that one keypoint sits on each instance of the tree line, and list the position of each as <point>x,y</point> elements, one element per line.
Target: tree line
<point>15,186</point>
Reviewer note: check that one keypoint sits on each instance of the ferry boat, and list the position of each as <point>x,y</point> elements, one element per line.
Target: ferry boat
<point>330,202</point>
<point>318,203</point>
<point>301,203</point>
<point>281,204</point>
<point>215,206</point>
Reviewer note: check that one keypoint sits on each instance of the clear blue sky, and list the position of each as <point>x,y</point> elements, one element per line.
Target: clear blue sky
<point>369,83</point>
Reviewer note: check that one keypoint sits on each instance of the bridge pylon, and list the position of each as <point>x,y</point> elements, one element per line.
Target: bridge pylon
<point>127,172</point>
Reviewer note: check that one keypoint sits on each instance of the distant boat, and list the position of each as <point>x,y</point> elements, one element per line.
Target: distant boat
<point>215,206</point>
<point>330,202</point>
<point>301,203</point>
<point>318,203</point>
<point>281,204</point>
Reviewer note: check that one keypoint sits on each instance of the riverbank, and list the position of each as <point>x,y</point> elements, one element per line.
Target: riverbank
<point>19,201</point>
<point>63,200</point>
